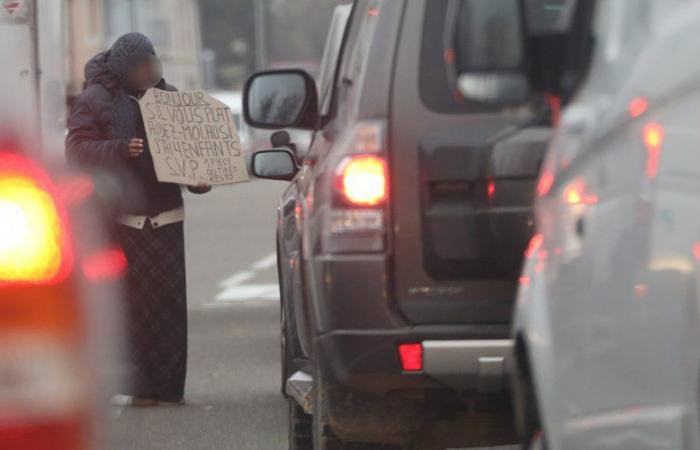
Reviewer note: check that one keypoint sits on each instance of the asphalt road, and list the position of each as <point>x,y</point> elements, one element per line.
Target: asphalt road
<point>232,393</point>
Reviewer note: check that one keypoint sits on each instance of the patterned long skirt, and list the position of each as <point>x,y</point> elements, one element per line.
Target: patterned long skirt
<point>156,311</point>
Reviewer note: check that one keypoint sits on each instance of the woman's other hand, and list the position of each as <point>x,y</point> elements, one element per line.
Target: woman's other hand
<point>135,147</point>
<point>201,188</point>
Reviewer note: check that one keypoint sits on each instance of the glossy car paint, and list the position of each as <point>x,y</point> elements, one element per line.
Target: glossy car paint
<point>607,309</point>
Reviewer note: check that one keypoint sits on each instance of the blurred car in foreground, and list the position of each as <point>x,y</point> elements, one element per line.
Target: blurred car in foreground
<point>606,321</point>
<point>49,386</point>
<point>59,275</point>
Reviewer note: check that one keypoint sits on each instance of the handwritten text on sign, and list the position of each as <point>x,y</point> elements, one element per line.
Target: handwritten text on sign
<point>192,138</point>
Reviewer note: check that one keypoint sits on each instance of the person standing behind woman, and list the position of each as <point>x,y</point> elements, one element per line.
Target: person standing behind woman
<point>106,132</point>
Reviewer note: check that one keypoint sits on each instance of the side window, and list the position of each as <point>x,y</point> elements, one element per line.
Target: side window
<point>478,25</point>
<point>354,56</point>
<point>331,54</point>
<point>444,48</point>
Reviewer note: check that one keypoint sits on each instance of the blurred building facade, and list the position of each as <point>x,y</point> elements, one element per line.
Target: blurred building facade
<point>172,25</point>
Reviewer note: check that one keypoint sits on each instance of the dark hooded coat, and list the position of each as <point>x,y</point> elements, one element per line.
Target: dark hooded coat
<point>106,116</point>
<point>104,119</point>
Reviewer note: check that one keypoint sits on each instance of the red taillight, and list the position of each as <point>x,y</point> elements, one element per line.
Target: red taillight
<point>363,180</point>
<point>54,435</point>
<point>411,357</point>
<point>653,136</point>
<point>34,243</point>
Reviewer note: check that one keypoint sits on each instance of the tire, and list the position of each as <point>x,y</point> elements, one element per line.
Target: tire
<point>285,351</point>
<point>527,413</point>
<point>323,436</point>
<point>291,353</point>
<point>300,428</point>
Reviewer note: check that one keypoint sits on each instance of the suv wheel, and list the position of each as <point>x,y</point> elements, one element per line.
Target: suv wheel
<point>285,349</point>
<point>323,436</point>
<point>290,347</point>
<point>300,428</point>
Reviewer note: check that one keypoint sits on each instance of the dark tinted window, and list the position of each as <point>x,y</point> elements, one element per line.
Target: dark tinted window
<point>479,25</point>
<point>439,54</point>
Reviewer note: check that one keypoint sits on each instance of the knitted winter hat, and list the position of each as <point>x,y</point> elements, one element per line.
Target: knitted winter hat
<point>128,51</point>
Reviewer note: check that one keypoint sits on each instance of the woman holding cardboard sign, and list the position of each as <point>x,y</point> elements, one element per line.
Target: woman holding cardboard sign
<point>106,132</point>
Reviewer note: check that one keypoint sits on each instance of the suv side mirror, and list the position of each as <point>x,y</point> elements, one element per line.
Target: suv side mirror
<point>274,164</point>
<point>281,99</point>
<point>490,51</point>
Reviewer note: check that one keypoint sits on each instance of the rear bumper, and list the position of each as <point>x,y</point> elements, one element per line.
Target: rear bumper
<point>483,365</point>
<point>463,358</point>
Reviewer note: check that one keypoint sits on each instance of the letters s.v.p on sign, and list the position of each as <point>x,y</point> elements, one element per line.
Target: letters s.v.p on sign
<point>192,138</point>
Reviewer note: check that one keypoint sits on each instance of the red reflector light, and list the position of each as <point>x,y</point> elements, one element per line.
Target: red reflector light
<point>34,243</point>
<point>491,190</point>
<point>106,265</point>
<point>638,106</point>
<point>363,180</point>
<point>411,357</point>
<point>545,183</point>
<point>535,245</point>
<point>653,136</point>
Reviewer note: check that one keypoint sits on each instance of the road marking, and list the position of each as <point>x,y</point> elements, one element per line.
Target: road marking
<point>269,291</point>
<point>235,290</point>
<point>266,263</point>
<point>240,277</point>
<point>119,402</point>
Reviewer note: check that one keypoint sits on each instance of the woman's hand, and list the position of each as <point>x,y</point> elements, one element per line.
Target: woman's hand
<point>201,188</point>
<point>135,147</point>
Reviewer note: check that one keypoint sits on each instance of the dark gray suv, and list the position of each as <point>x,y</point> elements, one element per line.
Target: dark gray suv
<point>401,235</point>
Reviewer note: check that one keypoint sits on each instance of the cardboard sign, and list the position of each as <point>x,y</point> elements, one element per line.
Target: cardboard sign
<point>14,11</point>
<point>192,138</point>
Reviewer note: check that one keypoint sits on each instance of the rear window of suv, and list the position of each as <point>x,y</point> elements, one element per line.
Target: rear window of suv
<point>438,86</point>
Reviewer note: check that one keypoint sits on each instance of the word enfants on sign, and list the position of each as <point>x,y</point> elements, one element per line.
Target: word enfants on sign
<point>192,138</point>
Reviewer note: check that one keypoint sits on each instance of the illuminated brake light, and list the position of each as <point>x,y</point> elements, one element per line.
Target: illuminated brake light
<point>654,136</point>
<point>34,244</point>
<point>576,194</point>
<point>363,180</point>
<point>411,357</point>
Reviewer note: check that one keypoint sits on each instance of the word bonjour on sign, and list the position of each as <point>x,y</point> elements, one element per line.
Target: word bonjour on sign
<point>13,9</point>
<point>192,138</point>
